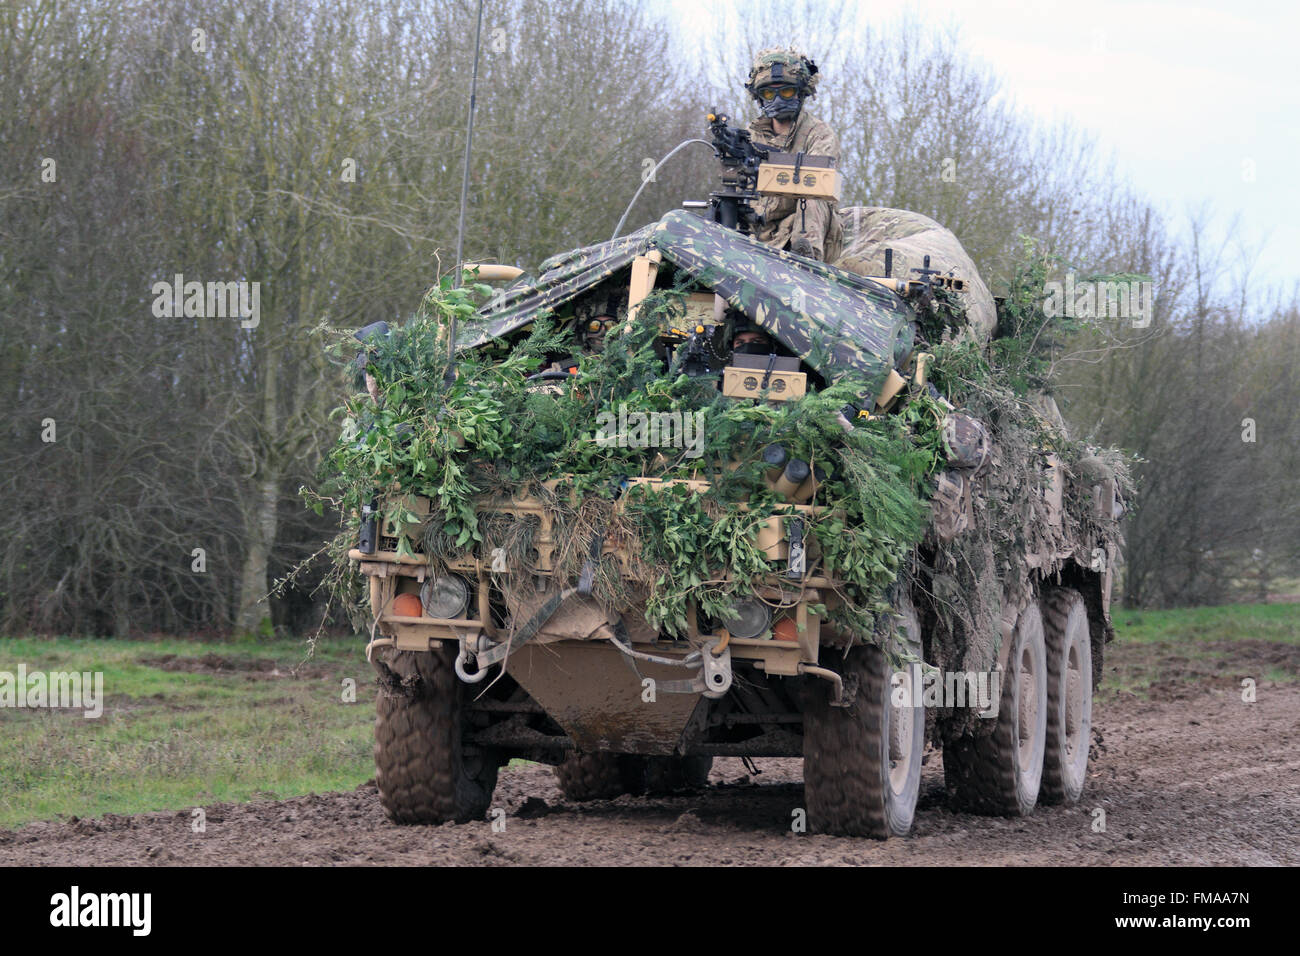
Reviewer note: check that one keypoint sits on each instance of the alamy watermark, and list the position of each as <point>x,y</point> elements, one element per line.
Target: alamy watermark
<point>1116,297</point>
<point>935,688</point>
<point>684,430</point>
<point>37,689</point>
<point>213,300</point>
<point>129,910</point>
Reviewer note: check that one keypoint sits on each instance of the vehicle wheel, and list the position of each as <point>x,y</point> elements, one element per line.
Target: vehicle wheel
<point>695,771</point>
<point>1069,696</point>
<point>862,763</point>
<point>422,770</point>
<point>1000,773</point>
<point>600,776</point>
<point>670,774</point>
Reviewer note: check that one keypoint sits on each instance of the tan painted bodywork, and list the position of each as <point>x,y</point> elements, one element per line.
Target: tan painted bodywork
<point>581,620</point>
<point>748,383</point>
<point>494,272</point>
<point>587,688</point>
<point>815,182</point>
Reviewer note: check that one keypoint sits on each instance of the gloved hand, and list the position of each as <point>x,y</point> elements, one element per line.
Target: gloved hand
<point>802,246</point>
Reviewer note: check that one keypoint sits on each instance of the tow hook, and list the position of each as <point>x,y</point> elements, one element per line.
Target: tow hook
<point>839,697</point>
<point>467,655</point>
<point>716,671</point>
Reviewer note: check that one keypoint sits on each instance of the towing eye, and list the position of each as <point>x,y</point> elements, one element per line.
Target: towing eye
<point>485,658</point>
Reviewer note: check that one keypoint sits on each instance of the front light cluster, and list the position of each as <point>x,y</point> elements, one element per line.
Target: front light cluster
<point>754,617</point>
<point>445,597</point>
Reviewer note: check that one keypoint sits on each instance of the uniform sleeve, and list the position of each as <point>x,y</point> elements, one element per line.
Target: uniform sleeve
<point>817,222</point>
<point>822,141</point>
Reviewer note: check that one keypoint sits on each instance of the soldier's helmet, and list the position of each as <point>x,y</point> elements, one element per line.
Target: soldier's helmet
<point>779,68</point>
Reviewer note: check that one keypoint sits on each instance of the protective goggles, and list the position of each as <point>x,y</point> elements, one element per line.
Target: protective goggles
<point>768,93</point>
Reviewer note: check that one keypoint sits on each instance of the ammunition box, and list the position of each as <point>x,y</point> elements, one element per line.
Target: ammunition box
<point>816,179</point>
<point>748,383</point>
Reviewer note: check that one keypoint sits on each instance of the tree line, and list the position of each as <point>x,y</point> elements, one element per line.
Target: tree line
<point>152,463</point>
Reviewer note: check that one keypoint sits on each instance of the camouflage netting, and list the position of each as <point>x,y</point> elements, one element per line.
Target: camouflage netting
<point>1012,539</point>
<point>870,230</point>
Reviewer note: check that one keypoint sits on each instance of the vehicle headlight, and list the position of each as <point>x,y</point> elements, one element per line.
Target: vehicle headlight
<point>445,597</point>
<point>754,618</point>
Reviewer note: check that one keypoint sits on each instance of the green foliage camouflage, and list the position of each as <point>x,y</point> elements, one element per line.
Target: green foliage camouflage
<point>495,432</point>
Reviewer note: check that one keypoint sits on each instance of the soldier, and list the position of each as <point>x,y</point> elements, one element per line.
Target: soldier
<point>780,80</point>
<point>749,339</point>
<point>596,315</point>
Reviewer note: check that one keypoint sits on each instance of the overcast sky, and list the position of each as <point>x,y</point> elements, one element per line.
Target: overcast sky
<point>1197,101</point>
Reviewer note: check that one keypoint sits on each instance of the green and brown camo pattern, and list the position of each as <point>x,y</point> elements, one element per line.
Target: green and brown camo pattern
<point>835,321</point>
<point>797,66</point>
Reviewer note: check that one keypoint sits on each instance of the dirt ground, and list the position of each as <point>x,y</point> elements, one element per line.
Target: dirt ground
<point>1191,776</point>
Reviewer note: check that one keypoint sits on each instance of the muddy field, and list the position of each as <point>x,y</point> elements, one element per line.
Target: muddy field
<point>1191,776</point>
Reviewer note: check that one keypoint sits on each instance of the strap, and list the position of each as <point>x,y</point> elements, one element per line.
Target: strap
<point>694,685</point>
<point>527,632</point>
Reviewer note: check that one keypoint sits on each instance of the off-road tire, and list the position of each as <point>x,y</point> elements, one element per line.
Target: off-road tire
<point>421,768</point>
<point>851,786</point>
<point>1000,774</point>
<point>600,776</point>
<point>1069,696</point>
<point>664,775</point>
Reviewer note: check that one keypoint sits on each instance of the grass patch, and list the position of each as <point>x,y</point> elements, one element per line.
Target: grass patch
<point>185,724</point>
<point>1227,622</point>
<point>1163,653</point>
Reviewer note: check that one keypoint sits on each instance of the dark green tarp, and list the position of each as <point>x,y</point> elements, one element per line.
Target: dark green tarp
<point>834,320</point>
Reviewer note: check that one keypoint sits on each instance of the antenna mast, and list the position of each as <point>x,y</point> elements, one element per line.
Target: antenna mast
<point>464,196</point>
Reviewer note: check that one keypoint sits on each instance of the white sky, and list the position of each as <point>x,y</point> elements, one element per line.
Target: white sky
<point>1189,97</point>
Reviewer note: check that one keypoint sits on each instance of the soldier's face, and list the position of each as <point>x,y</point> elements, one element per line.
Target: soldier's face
<point>779,100</point>
<point>593,332</point>
<point>751,343</point>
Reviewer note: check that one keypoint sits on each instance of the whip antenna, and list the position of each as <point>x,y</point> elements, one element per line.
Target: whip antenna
<point>464,196</point>
<point>649,177</point>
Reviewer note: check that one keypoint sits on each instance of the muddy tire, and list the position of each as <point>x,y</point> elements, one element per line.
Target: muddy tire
<point>664,775</point>
<point>862,763</point>
<point>421,768</point>
<point>600,776</point>
<point>1069,696</point>
<point>695,771</point>
<point>1000,774</point>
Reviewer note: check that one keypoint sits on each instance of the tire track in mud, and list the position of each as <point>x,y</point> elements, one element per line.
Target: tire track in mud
<point>1198,779</point>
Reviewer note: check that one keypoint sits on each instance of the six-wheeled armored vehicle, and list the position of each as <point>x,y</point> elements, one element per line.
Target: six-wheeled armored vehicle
<point>629,618</point>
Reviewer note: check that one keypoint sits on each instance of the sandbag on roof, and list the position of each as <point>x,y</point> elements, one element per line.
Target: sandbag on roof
<point>870,230</point>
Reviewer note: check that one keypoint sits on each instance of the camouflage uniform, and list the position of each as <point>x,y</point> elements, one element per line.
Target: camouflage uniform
<point>815,227</point>
<point>784,221</point>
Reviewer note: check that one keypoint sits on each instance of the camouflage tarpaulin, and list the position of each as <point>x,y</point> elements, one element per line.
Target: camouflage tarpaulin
<point>870,230</point>
<point>561,278</point>
<point>834,320</point>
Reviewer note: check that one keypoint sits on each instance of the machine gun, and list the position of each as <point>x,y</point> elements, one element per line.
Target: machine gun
<point>750,171</point>
<point>740,160</point>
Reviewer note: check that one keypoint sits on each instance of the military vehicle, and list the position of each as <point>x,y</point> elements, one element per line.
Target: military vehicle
<point>540,638</point>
